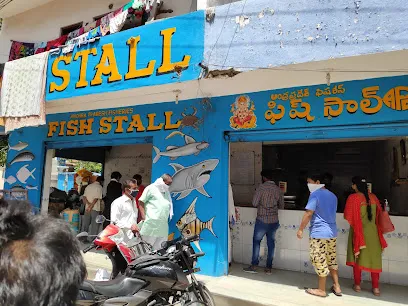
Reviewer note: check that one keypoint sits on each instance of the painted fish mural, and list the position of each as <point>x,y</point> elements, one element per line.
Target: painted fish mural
<point>192,147</point>
<point>30,187</point>
<point>18,147</point>
<point>23,174</point>
<point>190,225</point>
<point>187,179</point>
<point>11,180</point>
<point>22,157</point>
<point>188,217</point>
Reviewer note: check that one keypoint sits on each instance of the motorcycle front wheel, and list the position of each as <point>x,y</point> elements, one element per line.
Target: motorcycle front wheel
<point>205,299</point>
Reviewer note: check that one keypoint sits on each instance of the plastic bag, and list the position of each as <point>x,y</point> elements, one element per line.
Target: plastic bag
<point>102,275</point>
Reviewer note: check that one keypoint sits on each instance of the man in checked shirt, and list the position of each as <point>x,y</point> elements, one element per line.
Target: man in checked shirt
<point>268,199</point>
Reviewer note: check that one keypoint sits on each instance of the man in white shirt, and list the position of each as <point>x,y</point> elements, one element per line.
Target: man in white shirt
<point>123,210</point>
<point>92,199</point>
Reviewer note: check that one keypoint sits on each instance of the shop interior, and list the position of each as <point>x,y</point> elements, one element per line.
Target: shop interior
<point>65,184</point>
<point>383,162</point>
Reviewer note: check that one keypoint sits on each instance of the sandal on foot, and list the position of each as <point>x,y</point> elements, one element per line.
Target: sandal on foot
<point>376,292</point>
<point>313,292</point>
<point>335,292</point>
<point>356,288</point>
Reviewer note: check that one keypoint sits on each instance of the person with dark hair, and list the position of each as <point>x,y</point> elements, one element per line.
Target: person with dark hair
<point>156,207</point>
<point>123,211</point>
<point>40,260</point>
<point>268,199</point>
<point>140,188</point>
<point>113,191</point>
<point>92,199</point>
<point>321,213</point>
<point>327,180</point>
<point>366,241</point>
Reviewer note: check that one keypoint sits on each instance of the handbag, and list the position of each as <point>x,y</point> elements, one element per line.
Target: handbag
<point>385,223</point>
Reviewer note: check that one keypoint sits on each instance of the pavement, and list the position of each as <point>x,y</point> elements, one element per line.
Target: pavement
<point>282,288</point>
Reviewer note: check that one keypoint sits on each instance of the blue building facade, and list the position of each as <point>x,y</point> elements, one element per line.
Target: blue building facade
<point>191,138</point>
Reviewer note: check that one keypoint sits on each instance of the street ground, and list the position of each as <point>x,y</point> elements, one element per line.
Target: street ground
<point>282,288</point>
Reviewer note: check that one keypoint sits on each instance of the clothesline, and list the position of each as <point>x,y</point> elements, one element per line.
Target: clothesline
<point>109,24</point>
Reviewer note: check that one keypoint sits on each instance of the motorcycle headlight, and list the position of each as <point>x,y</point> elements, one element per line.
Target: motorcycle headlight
<point>171,249</point>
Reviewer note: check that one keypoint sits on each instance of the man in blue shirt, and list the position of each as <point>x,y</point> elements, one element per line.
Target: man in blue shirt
<point>321,213</point>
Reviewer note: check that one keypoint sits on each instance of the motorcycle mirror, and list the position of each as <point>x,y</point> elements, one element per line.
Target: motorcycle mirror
<point>82,236</point>
<point>100,219</point>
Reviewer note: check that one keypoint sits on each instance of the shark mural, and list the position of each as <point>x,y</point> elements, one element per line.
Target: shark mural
<point>187,179</point>
<point>192,147</point>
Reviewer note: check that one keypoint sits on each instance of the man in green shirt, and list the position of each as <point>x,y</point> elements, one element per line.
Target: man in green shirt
<point>156,207</point>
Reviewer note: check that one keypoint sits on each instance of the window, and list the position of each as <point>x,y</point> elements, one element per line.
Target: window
<point>68,29</point>
<point>100,16</point>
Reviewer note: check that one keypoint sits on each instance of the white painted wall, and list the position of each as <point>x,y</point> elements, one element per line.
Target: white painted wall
<point>44,23</point>
<point>243,193</point>
<point>129,160</point>
<point>293,254</point>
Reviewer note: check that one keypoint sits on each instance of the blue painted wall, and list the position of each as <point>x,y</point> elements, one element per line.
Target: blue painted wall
<point>286,32</point>
<point>374,107</point>
<point>187,40</point>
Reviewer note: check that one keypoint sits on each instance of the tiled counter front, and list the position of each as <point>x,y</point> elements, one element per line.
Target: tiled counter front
<point>292,254</point>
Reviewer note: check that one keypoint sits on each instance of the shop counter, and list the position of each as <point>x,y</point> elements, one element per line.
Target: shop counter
<point>293,254</point>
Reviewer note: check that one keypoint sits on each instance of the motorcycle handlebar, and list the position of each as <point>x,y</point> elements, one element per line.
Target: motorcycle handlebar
<point>92,246</point>
<point>191,239</point>
<point>179,240</point>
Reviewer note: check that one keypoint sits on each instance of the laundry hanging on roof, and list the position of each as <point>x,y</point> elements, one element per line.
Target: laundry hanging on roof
<point>75,34</point>
<point>95,33</point>
<point>53,44</point>
<point>150,4</point>
<point>20,50</point>
<point>40,47</point>
<point>90,26</point>
<point>116,23</point>
<point>22,96</point>
<point>105,22</point>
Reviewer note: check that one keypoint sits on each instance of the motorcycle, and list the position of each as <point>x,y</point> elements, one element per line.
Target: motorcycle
<point>158,278</point>
<point>115,241</point>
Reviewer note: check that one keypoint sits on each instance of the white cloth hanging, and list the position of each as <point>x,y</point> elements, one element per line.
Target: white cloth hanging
<point>116,23</point>
<point>22,86</point>
<point>22,99</point>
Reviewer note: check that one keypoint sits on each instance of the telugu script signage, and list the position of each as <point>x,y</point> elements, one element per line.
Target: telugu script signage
<point>370,101</point>
<point>163,52</point>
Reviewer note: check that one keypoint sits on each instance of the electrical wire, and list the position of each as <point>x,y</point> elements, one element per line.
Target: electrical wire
<point>325,70</point>
<point>4,3</point>
<point>222,30</point>
<point>235,33</point>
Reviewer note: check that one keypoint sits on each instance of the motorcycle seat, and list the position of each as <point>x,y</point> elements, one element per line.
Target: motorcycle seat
<point>120,286</point>
<point>147,260</point>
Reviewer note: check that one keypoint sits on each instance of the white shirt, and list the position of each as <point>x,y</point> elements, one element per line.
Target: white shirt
<point>124,212</point>
<point>92,192</point>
